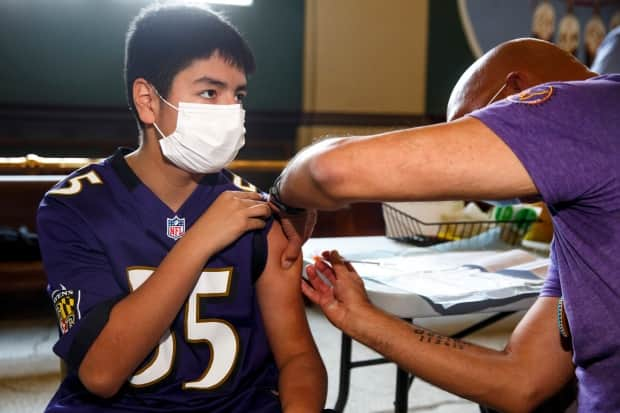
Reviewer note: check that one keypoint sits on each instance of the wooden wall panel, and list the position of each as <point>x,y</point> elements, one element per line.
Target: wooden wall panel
<point>365,56</point>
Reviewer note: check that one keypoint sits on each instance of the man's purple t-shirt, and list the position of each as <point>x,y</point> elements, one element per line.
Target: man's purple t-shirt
<point>567,136</point>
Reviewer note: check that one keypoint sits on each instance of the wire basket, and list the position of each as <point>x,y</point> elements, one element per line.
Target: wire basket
<point>403,227</point>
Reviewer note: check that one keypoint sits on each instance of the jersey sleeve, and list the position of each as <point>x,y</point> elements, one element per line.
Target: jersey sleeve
<point>546,128</point>
<point>260,249</point>
<point>80,279</point>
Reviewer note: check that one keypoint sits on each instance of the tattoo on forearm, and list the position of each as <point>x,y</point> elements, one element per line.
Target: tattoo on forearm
<point>432,338</point>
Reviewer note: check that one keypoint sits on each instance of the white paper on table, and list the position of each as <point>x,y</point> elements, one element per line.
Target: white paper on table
<point>358,248</point>
<point>491,261</point>
<point>445,278</point>
<point>455,286</point>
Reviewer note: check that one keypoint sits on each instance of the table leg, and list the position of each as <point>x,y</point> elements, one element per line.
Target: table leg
<point>482,324</point>
<point>345,373</point>
<point>401,398</point>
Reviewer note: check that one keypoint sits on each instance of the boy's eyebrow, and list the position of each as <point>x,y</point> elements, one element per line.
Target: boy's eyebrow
<point>219,83</point>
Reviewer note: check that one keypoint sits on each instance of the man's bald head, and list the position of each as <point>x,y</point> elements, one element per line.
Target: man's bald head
<point>514,65</point>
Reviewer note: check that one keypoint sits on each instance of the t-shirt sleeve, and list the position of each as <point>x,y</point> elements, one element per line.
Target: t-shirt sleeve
<point>551,286</point>
<point>81,283</point>
<point>546,129</point>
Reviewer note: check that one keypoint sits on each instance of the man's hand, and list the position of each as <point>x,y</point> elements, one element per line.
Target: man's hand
<point>345,295</point>
<point>297,228</point>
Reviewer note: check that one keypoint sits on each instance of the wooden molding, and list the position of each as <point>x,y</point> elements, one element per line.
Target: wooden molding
<point>35,164</point>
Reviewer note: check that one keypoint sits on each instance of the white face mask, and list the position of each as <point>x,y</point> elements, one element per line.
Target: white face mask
<point>207,137</point>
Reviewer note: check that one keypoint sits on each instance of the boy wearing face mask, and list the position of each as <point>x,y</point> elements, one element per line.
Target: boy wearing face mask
<point>163,267</point>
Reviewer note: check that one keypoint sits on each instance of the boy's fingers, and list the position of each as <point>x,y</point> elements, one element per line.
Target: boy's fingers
<point>248,195</point>
<point>255,224</point>
<point>260,209</point>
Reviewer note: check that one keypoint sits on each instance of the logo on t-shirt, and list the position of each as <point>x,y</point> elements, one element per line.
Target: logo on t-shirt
<point>533,96</point>
<point>175,227</point>
<point>66,303</point>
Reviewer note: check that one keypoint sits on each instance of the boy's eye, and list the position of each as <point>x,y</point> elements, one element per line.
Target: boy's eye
<point>240,97</point>
<point>209,94</point>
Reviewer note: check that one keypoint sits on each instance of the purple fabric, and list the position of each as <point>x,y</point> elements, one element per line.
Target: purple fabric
<point>567,135</point>
<point>93,241</point>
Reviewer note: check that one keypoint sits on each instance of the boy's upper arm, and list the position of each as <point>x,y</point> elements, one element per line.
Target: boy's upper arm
<point>281,301</point>
<point>80,281</point>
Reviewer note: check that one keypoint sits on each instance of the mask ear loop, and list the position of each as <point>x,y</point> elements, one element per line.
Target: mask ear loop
<point>167,103</point>
<point>494,96</point>
<point>159,130</point>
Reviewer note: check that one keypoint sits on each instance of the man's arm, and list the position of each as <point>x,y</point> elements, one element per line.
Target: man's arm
<point>531,368</point>
<point>462,159</point>
<point>303,379</point>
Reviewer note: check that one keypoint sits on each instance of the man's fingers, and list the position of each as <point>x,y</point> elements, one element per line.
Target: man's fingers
<point>297,229</point>
<point>291,252</point>
<point>336,260</point>
<point>273,207</point>
<point>315,279</point>
<point>316,286</point>
<point>326,270</point>
<point>339,266</point>
<point>310,292</point>
<point>311,216</point>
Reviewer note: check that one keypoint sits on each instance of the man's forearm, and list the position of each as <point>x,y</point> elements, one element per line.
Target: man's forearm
<point>426,163</point>
<point>473,372</point>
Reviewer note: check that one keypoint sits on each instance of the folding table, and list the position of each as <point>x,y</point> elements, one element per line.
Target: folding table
<point>405,305</point>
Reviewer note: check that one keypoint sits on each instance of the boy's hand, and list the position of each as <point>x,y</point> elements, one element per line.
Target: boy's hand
<point>231,215</point>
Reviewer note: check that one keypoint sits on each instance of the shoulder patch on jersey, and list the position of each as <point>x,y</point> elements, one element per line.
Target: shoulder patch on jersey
<point>76,183</point>
<point>533,96</point>
<point>67,306</point>
<point>241,183</point>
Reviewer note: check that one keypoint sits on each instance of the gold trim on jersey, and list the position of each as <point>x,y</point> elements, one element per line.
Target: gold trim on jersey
<point>75,184</point>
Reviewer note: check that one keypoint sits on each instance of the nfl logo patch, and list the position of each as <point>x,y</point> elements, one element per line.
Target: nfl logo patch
<point>175,227</point>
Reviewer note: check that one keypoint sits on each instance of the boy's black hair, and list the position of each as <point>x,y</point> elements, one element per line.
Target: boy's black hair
<point>162,40</point>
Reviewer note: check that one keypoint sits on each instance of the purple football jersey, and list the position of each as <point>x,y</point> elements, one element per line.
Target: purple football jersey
<point>102,233</point>
<point>567,136</point>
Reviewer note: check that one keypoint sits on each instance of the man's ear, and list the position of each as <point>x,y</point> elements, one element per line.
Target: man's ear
<point>146,104</point>
<point>517,82</point>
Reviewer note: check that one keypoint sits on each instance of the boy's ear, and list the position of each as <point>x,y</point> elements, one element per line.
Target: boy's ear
<point>147,105</point>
